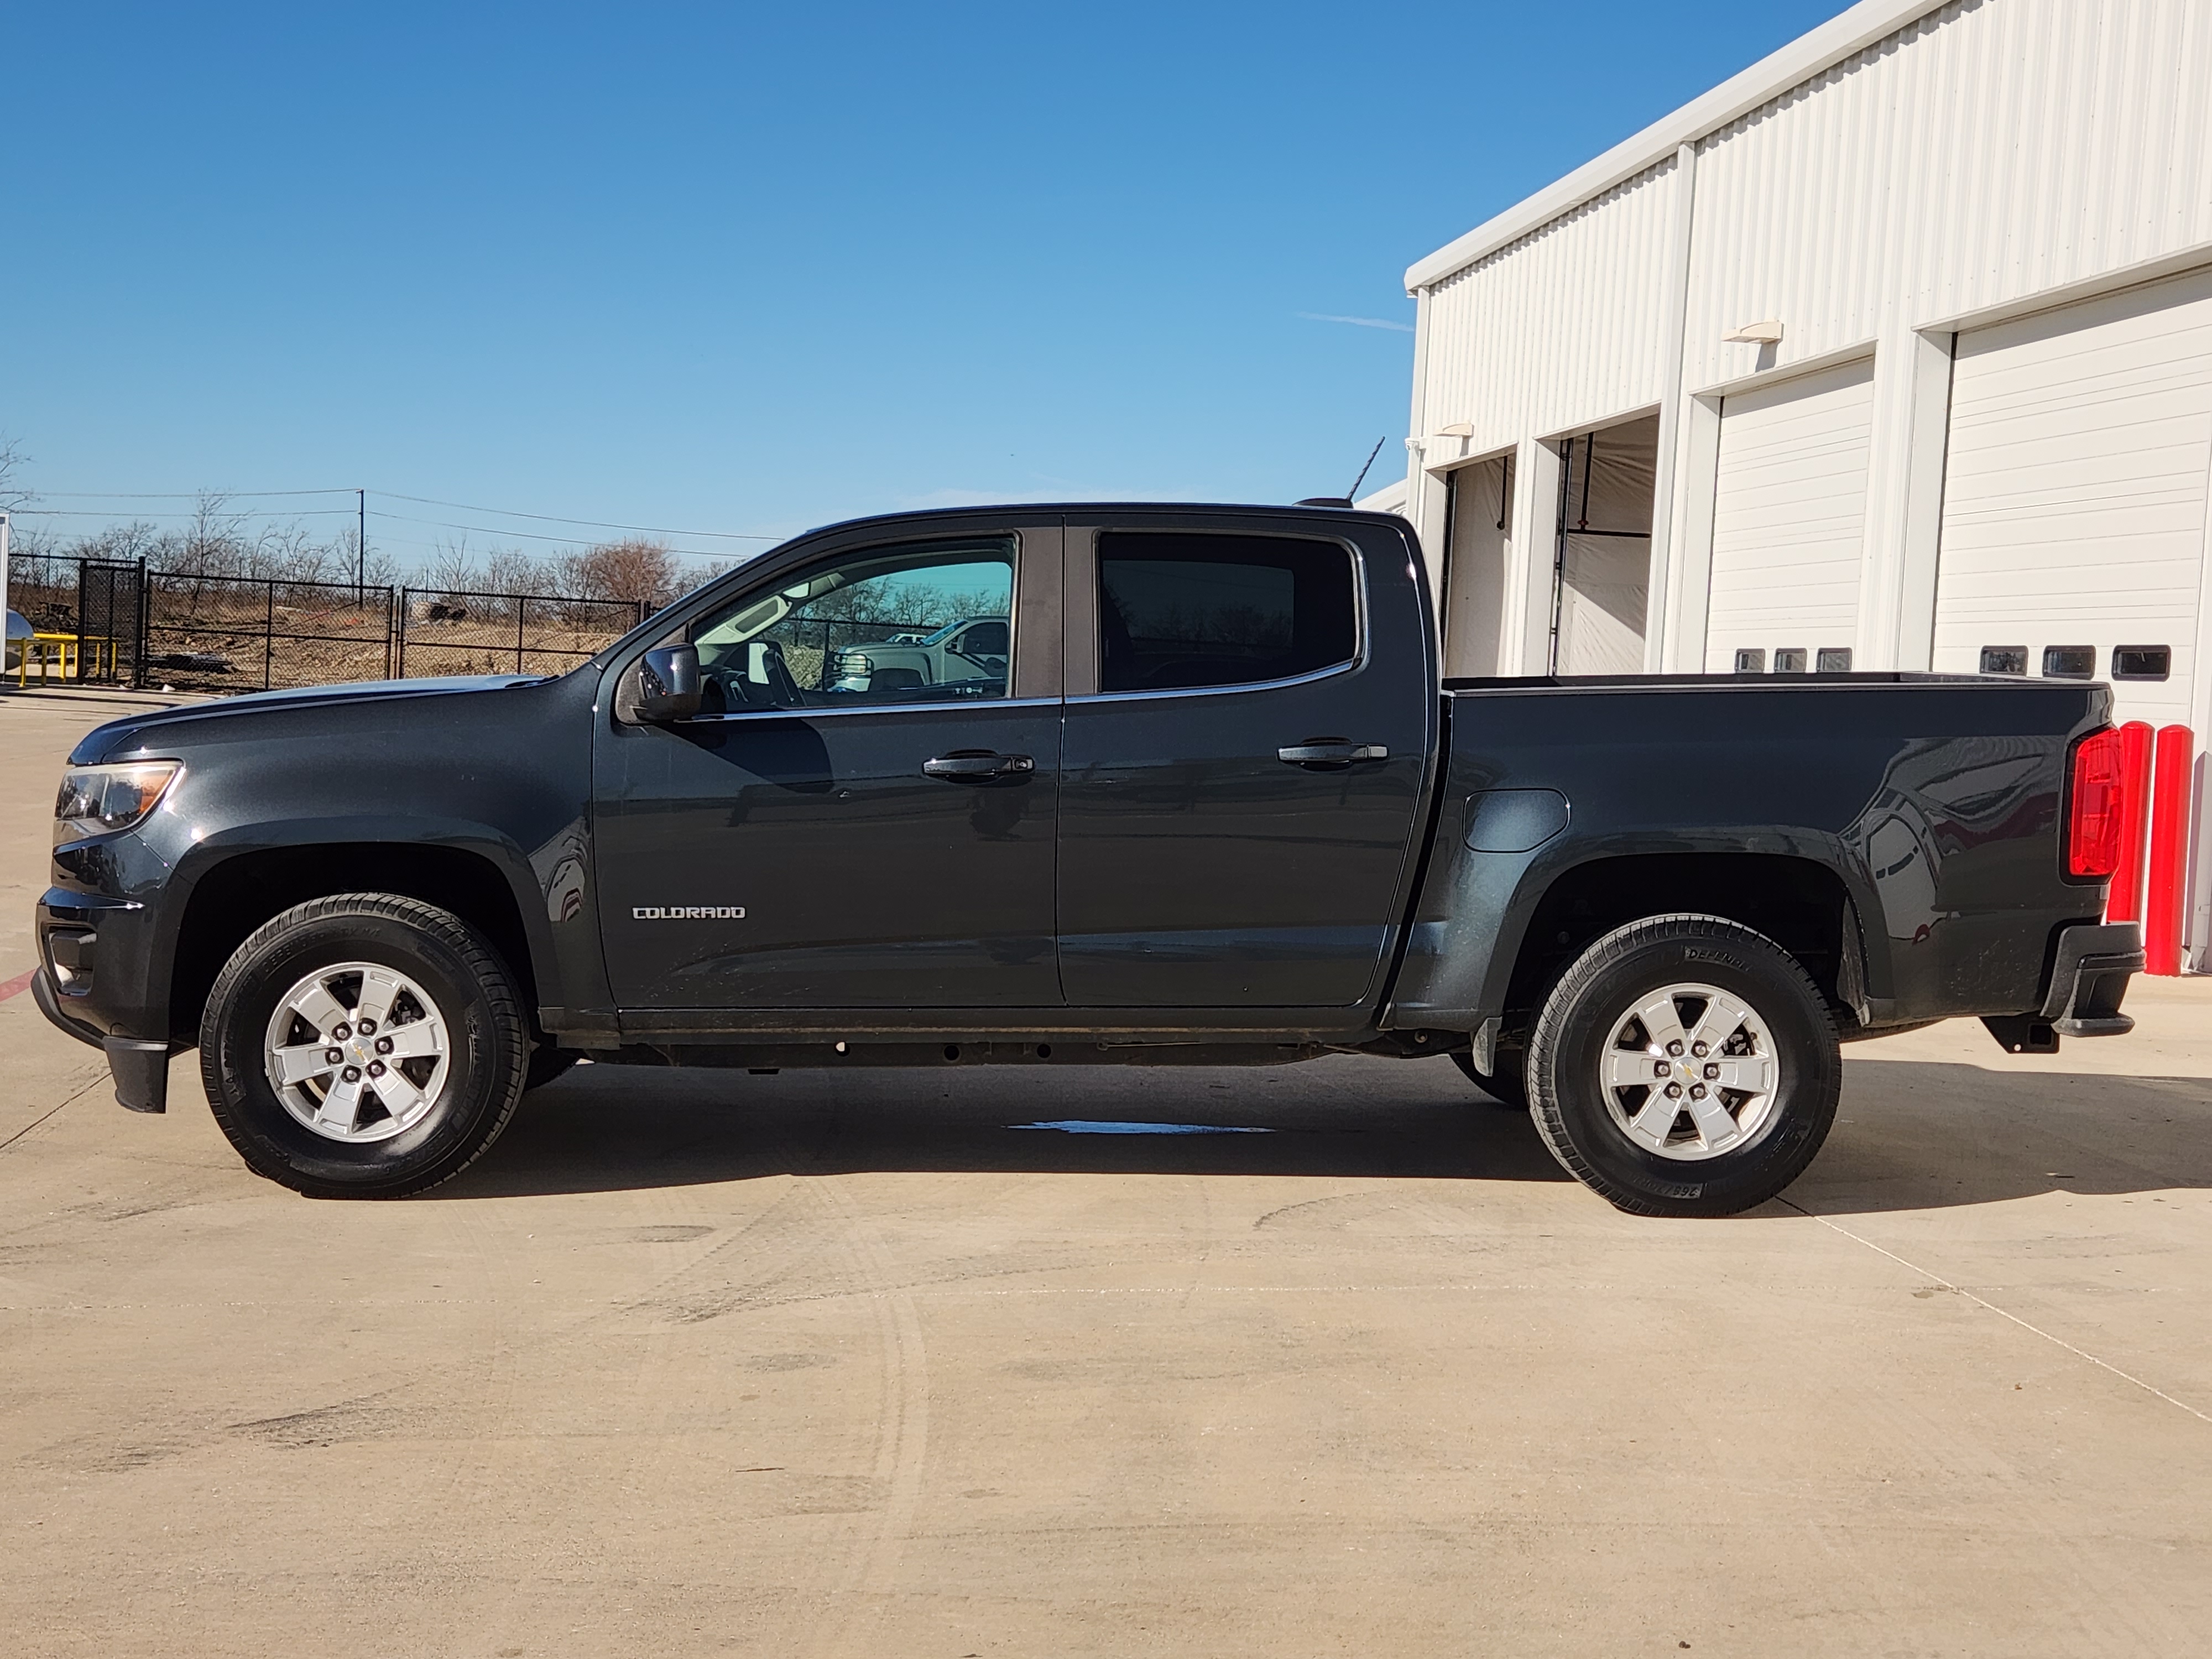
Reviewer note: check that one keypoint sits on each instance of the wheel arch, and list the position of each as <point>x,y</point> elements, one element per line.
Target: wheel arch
<point>236,893</point>
<point>1801,904</point>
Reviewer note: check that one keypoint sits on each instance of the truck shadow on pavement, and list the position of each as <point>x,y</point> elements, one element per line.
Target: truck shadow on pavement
<point>1909,1135</point>
<point>603,1128</point>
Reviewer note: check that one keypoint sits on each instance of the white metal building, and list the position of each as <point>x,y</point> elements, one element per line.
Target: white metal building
<point>1894,351</point>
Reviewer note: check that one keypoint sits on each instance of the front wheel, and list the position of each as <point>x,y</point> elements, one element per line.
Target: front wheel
<point>1684,1066</point>
<point>363,1046</point>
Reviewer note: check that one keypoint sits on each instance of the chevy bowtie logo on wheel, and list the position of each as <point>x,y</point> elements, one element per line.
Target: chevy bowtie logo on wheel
<point>688,913</point>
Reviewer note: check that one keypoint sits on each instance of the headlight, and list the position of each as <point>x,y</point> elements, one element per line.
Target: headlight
<point>96,800</point>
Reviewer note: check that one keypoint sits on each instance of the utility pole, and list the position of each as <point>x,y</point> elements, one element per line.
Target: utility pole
<point>360,543</point>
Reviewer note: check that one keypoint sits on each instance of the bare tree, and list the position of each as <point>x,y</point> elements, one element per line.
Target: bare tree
<point>214,544</point>
<point>123,541</point>
<point>643,572</point>
<point>12,462</point>
<point>511,572</point>
<point>452,570</point>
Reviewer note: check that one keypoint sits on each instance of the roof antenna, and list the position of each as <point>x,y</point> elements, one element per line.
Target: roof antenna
<point>1345,499</point>
<point>1352,494</point>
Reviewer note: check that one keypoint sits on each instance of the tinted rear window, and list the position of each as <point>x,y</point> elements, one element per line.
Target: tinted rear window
<point>1177,611</point>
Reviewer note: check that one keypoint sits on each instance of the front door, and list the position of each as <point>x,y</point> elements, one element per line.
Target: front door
<point>1240,779</point>
<point>858,820</point>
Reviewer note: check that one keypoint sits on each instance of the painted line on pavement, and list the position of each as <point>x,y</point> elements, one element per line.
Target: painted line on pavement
<point>79,1094</point>
<point>1961,1290</point>
<point>17,986</point>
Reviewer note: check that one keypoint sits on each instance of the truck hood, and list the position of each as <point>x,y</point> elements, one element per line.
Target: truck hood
<point>235,718</point>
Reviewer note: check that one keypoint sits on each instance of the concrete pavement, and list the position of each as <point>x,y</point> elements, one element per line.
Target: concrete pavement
<point>842,1364</point>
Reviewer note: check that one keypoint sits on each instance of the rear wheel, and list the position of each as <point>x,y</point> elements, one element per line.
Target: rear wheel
<point>1684,1066</point>
<point>363,1046</point>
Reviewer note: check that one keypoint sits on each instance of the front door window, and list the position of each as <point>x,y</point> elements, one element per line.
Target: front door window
<point>923,624</point>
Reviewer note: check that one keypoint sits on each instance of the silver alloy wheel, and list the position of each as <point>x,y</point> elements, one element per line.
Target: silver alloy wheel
<point>357,1051</point>
<point>1691,1072</point>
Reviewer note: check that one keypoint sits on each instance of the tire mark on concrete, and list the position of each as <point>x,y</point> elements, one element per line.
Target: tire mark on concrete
<point>861,1598</point>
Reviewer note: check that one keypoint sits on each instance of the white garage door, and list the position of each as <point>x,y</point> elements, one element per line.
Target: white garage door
<point>2075,493</point>
<point>1790,521</point>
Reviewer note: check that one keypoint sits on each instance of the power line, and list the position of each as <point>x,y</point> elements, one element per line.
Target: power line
<point>594,524</point>
<point>173,495</point>
<point>424,501</point>
<point>88,513</point>
<point>497,531</point>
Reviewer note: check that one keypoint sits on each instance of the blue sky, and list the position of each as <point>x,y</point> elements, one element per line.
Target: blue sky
<point>749,268</point>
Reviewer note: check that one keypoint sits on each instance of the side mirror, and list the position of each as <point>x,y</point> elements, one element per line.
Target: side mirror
<point>668,684</point>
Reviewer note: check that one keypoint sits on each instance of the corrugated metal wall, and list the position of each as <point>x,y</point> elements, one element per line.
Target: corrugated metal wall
<point>1560,329</point>
<point>1992,150</point>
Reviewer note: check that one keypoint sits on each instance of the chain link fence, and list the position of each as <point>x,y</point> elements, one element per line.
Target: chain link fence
<point>43,588</point>
<point>450,633</point>
<point>200,633</point>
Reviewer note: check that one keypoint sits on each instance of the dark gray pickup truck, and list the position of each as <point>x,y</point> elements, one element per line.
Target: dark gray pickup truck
<point>1214,807</point>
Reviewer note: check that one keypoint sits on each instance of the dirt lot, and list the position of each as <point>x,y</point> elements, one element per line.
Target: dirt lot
<point>844,1365</point>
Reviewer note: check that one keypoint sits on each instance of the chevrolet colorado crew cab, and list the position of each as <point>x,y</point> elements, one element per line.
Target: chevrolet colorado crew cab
<point>1213,805</point>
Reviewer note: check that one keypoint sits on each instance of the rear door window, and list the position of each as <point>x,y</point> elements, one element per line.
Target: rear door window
<point>1179,612</point>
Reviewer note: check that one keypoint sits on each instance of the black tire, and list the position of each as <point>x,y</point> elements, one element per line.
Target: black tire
<point>486,1058</point>
<point>1507,1088</point>
<point>1577,1029</point>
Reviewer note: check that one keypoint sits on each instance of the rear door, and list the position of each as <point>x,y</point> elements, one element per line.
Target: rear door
<point>1251,707</point>
<point>846,826</point>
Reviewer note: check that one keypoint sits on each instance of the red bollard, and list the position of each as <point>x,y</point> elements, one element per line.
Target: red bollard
<point>2125,903</point>
<point>2169,851</point>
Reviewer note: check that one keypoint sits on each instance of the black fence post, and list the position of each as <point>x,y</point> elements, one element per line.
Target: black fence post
<point>521,614</point>
<point>399,633</point>
<point>138,630</point>
<point>269,637</point>
<point>82,610</point>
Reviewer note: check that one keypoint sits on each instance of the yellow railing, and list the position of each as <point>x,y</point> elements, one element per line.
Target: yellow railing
<point>78,657</point>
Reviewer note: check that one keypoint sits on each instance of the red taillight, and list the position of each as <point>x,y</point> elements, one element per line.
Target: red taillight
<point>2096,826</point>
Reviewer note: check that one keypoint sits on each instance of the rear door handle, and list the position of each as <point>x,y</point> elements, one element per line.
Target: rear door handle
<point>975,765</point>
<point>1331,752</point>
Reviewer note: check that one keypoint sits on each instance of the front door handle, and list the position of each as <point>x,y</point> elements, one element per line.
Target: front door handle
<point>1331,752</point>
<point>977,765</point>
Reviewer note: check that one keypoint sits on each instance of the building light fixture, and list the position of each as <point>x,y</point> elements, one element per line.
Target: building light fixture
<point>1766,334</point>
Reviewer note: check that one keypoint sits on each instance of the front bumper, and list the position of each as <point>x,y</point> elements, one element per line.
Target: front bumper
<point>50,1005</point>
<point>139,1066</point>
<point>98,951</point>
<point>91,983</point>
